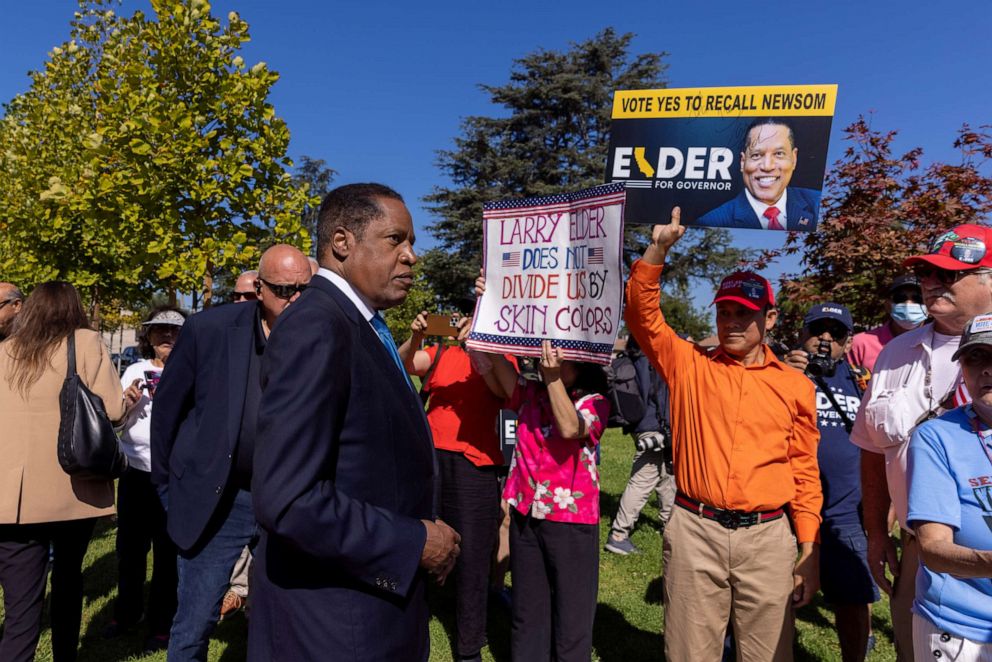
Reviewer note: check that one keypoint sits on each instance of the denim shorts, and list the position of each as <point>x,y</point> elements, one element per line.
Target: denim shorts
<point>844,575</point>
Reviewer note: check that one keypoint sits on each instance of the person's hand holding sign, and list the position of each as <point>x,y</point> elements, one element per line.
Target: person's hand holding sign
<point>550,362</point>
<point>663,237</point>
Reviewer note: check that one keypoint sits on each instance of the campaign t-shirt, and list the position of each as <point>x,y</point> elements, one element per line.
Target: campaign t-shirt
<point>950,482</point>
<point>839,459</point>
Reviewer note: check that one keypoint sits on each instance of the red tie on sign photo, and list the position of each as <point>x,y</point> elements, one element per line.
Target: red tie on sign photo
<point>772,215</point>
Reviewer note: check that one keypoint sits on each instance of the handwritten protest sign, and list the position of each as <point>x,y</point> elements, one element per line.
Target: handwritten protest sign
<point>734,157</point>
<point>552,269</point>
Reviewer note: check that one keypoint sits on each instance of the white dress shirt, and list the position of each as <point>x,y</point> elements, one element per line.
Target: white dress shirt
<point>364,305</point>
<point>759,208</point>
<point>898,396</point>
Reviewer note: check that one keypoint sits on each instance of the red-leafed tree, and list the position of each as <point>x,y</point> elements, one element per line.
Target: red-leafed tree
<point>877,209</point>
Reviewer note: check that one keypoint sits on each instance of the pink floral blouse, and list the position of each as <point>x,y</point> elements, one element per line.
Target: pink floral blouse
<point>551,477</point>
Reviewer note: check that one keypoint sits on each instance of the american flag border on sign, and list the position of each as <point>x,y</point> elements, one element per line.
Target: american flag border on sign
<point>573,350</point>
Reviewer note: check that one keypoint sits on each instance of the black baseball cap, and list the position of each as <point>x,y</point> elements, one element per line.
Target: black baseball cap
<point>831,311</point>
<point>906,280</point>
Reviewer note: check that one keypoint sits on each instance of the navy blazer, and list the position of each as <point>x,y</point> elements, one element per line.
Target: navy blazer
<point>342,475</point>
<point>801,209</point>
<point>196,420</point>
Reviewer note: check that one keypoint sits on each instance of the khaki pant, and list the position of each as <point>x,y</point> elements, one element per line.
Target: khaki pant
<point>714,575</point>
<point>647,474</point>
<point>903,594</point>
<point>239,576</point>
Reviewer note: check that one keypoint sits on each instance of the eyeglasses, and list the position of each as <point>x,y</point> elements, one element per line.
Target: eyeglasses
<point>7,301</point>
<point>944,276</point>
<point>244,296</point>
<point>283,291</point>
<point>837,331</point>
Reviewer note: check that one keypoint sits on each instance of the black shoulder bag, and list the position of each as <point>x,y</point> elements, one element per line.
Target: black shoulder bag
<point>88,447</point>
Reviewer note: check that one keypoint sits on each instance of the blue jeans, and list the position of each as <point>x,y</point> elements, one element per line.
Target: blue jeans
<point>204,576</point>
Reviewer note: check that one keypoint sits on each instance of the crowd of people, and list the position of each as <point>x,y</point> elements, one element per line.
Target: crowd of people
<point>290,462</point>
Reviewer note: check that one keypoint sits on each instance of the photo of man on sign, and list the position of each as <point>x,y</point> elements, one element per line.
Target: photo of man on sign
<point>768,159</point>
<point>750,158</point>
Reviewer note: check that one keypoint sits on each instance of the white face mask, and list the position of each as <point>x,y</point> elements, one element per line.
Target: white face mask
<point>908,315</point>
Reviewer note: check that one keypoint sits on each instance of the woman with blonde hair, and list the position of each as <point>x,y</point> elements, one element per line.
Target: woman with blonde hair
<point>41,505</point>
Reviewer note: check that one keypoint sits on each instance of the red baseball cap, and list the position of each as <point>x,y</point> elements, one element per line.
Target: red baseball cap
<point>746,288</point>
<point>967,246</point>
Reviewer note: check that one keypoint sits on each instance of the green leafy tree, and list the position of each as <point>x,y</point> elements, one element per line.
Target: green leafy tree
<point>145,156</point>
<point>421,297</point>
<point>551,135</point>
<point>878,209</point>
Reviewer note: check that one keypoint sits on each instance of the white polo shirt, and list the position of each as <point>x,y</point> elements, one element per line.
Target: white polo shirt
<point>898,396</point>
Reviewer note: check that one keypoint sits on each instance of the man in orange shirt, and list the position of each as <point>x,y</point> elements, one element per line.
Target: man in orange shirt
<point>744,445</point>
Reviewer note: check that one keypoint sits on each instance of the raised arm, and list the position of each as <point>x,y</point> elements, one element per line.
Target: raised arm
<point>658,341</point>
<point>415,360</point>
<point>570,425</point>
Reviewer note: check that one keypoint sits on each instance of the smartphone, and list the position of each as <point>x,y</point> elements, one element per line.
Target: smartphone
<point>152,378</point>
<point>442,325</point>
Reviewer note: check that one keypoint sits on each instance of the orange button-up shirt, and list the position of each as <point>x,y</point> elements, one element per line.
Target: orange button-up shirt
<point>744,437</point>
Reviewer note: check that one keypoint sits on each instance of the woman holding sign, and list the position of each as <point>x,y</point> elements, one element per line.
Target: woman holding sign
<point>553,490</point>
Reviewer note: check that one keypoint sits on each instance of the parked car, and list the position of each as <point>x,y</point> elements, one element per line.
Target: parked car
<point>127,357</point>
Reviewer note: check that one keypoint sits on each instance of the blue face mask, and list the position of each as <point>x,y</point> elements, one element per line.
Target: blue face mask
<point>909,315</point>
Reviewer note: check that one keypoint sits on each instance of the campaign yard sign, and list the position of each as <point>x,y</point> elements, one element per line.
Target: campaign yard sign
<point>552,268</point>
<point>732,157</point>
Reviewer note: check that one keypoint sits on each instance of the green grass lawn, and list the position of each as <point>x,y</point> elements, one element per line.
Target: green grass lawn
<point>628,618</point>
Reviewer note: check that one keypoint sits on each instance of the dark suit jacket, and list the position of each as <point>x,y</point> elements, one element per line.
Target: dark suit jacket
<point>342,474</point>
<point>197,415</point>
<point>801,203</point>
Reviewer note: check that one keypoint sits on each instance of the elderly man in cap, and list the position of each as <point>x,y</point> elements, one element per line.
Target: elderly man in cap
<point>844,575</point>
<point>916,379</point>
<point>904,311</point>
<point>10,305</point>
<point>744,446</point>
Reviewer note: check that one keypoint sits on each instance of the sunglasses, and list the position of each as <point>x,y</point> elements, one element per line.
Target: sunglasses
<point>944,276</point>
<point>904,297</point>
<point>245,296</point>
<point>283,291</point>
<point>837,331</point>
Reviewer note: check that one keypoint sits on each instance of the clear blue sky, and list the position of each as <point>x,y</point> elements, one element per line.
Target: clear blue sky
<point>375,88</point>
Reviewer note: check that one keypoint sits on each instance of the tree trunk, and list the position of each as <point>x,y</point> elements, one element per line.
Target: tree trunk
<point>95,320</point>
<point>208,286</point>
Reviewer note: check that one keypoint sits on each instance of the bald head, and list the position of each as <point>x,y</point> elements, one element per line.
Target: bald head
<point>284,260</point>
<point>10,305</point>
<point>283,272</point>
<point>244,287</point>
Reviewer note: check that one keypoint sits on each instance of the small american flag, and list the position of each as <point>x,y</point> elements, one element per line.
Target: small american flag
<point>596,255</point>
<point>511,259</point>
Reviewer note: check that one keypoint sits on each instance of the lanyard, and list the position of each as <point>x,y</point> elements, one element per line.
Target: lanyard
<point>976,426</point>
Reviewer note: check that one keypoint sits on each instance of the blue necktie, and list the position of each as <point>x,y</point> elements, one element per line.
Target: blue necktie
<point>386,337</point>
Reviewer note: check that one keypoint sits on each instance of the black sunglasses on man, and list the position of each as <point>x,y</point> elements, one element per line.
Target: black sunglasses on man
<point>281,291</point>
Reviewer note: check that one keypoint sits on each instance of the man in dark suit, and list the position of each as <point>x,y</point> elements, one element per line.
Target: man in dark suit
<point>344,470</point>
<point>767,202</point>
<point>202,438</point>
